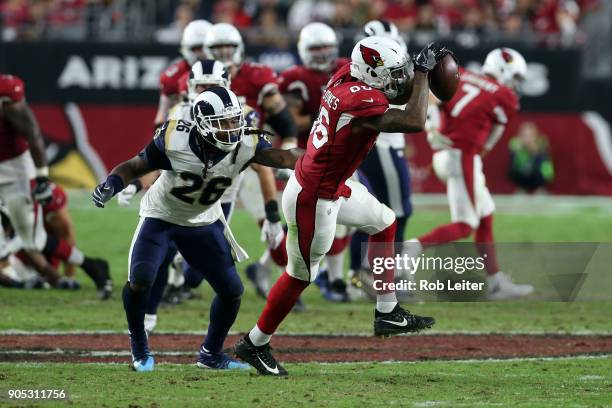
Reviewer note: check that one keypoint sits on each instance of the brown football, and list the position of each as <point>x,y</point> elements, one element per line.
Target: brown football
<point>444,78</point>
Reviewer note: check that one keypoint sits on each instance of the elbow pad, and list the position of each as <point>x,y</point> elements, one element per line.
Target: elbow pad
<point>283,123</point>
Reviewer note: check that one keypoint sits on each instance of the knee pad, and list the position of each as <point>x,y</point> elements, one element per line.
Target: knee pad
<point>143,274</point>
<point>233,290</point>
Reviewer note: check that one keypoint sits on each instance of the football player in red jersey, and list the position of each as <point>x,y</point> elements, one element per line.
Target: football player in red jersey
<point>472,122</point>
<point>191,50</point>
<point>22,158</point>
<point>302,86</point>
<point>256,86</point>
<point>354,110</point>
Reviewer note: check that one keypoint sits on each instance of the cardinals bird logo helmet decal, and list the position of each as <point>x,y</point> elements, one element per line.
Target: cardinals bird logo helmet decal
<point>371,57</point>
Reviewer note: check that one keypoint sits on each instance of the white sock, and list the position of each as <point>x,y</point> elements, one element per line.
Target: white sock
<point>335,266</point>
<point>386,303</point>
<point>259,338</point>
<point>150,321</point>
<point>76,257</point>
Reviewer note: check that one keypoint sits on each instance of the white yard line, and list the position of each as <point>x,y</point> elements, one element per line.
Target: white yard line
<point>353,334</point>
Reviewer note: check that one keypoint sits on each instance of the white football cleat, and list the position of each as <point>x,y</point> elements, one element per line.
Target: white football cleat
<point>500,286</point>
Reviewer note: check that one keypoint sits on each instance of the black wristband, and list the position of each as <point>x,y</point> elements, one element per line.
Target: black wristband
<point>283,123</point>
<point>137,183</point>
<point>272,213</point>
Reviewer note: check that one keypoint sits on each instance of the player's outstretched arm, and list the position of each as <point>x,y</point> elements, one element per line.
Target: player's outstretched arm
<point>278,158</point>
<point>412,118</point>
<point>118,178</point>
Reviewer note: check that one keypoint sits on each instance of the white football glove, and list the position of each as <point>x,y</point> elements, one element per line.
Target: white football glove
<point>438,141</point>
<point>126,195</point>
<point>273,233</point>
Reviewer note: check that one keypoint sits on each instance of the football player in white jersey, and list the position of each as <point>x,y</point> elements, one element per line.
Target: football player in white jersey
<point>182,277</point>
<point>199,157</point>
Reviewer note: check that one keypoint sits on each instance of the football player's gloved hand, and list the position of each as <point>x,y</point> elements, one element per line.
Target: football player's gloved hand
<point>429,56</point>
<point>125,196</point>
<point>272,229</point>
<point>105,191</point>
<point>42,190</point>
<point>438,141</point>
<point>273,233</point>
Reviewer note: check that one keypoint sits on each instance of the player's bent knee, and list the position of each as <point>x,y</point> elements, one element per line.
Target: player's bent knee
<point>142,274</point>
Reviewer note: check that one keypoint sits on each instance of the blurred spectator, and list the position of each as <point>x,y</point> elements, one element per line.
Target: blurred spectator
<point>172,33</point>
<point>233,12</point>
<point>530,165</point>
<point>403,13</point>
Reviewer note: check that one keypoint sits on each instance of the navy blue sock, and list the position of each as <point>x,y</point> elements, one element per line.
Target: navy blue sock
<point>134,304</point>
<point>223,312</point>
<point>157,290</point>
<point>358,239</point>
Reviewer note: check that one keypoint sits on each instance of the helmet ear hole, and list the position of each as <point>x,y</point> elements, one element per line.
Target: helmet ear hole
<point>373,73</point>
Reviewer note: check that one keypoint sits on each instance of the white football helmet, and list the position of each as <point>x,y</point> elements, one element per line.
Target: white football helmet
<point>507,66</point>
<point>219,118</point>
<point>193,37</point>
<point>384,28</point>
<point>318,46</point>
<point>220,35</point>
<point>380,63</point>
<point>206,72</point>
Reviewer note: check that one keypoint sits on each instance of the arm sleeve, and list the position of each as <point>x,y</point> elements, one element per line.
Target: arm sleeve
<point>262,144</point>
<point>155,152</point>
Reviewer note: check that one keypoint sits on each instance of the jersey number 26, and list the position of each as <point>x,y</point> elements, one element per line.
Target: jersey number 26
<point>212,192</point>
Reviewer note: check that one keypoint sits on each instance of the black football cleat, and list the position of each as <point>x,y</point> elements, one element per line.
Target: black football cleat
<point>399,321</point>
<point>260,358</point>
<point>98,271</point>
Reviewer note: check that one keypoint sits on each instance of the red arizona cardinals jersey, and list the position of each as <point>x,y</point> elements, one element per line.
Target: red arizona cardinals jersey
<point>169,79</point>
<point>334,150</point>
<point>308,85</point>
<point>479,103</point>
<point>183,83</point>
<point>252,82</point>
<point>13,144</point>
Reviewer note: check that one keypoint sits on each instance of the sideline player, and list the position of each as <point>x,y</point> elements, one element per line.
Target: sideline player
<point>354,110</point>
<point>22,158</point>
<point>200,154</point>
<point>473,121</point>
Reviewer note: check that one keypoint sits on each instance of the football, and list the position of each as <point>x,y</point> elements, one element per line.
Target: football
<point>444,78</point>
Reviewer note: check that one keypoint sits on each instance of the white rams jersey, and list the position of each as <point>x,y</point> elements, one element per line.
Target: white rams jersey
<point>394,140</point>
<point>193,179</point>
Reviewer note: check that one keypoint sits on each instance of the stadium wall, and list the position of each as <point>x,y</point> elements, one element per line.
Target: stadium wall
<point>96,104</point>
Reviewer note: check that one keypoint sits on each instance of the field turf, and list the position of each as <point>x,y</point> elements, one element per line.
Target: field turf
<point>539,382</point>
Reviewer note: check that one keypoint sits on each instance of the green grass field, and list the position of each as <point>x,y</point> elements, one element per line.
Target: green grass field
<point>539,382</point>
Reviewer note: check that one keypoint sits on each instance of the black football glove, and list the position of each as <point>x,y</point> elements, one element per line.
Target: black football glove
<point>42,190</point>
<point>429,56</point>
<point>105,191</point>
